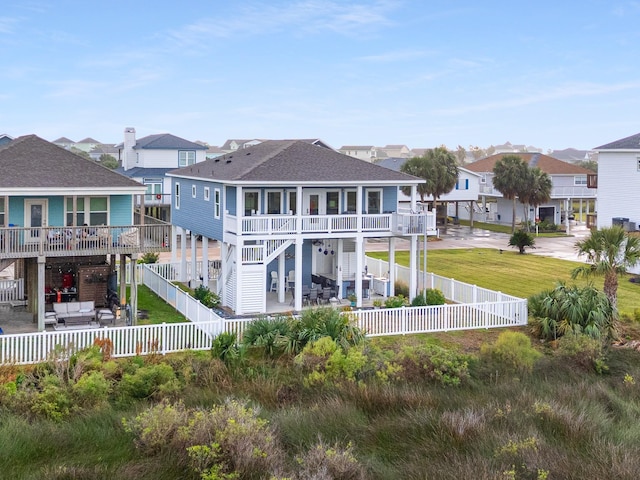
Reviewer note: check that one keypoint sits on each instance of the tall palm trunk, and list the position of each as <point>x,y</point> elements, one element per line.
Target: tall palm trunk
<point>513,217</point>
<point>611,288</point>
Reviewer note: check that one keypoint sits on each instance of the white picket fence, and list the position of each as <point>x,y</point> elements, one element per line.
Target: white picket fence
<point>11,290</point>
<point>489,310</point>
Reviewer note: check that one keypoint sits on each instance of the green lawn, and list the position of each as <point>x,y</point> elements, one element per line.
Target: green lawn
<point>510,272</point>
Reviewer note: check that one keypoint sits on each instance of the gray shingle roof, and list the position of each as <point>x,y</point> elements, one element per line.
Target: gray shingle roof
<point>547,164</point>
<point>139,172</point>
<point>88,140</point>
<point>31,162</point>
<point>166,141</point>
<point>292,161</point>
<point>627,143</point>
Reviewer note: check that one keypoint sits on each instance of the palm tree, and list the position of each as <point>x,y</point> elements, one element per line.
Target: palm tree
<point>509,173</point>
<point>438,167</point>
<point>610,252</point>
<point>534,190</point>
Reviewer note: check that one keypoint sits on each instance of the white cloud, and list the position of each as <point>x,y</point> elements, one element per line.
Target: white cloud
<point>553,94</point>
<point>7,25</point>
<point>396,56</point>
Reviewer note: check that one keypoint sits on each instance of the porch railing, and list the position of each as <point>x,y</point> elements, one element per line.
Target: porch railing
<point>11,290</point>
<point>21,242</point>
<point>400,223</point>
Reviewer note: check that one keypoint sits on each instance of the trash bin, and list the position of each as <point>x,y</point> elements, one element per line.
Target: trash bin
<point>619,221</point>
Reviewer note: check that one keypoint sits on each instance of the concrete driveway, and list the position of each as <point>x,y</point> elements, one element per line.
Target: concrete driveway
<point>457,236</point>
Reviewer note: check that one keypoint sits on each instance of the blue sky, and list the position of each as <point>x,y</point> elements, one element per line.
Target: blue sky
<point>552,74</point>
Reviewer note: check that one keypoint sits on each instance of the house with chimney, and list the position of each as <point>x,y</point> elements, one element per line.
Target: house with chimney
<point>148,159</point>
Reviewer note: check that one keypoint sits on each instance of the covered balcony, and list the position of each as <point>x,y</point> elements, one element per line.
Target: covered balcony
<point>21,242</point>
<point>385,224</point>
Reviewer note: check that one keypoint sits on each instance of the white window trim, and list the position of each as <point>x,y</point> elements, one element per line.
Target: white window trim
<point>258,207</point>
<point>266,197</point>
<point>580,181</point>
<point>216,203</point>
<point>367,198</point>
<point>177,195</point>
<point>194,191</point>
<point>87,207</point>
<point>326,200</point>
<point>206,194</point>
<point>346,199</point>
<point>186,159</point>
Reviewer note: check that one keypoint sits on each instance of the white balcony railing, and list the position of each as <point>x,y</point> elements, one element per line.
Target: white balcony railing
<point>581,191</point>
<point>20,242</point>
<point>392,223</point>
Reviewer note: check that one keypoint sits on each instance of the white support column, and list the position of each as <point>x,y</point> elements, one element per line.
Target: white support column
<point>174,244</point>
<point>193,279</point>
<point>282,279</point>
<point>413,271</point>
<point>298,286</point>
<point>340,253</point>
<point>359,270</point>
<point>299,212</point>
<point>133,290</point>
<point>359,207</point>
<point>566,214</point>
<point>205,261</point>
<point>239,271</point>
<point>224,251</point>
<point>123,282</point>
<point>40,297</point>
<point>414,195</point>
<point>183,255</point>
<point>392,266</point>
<point>471,214</point>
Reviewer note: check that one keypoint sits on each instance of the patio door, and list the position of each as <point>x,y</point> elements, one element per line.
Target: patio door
<point>35,217</point>
<point>312,202</point>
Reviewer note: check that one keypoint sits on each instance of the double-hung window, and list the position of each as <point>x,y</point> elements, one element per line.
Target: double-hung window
<point>216,203</point>
<point>374,201</point>
<point>89,210</point>
<point>186,157</point>
<point>2,214</point>
<point>177,196</point>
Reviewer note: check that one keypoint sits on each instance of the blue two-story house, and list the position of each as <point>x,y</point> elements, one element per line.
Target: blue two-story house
<point>62,217</point>
<point>290,214</point>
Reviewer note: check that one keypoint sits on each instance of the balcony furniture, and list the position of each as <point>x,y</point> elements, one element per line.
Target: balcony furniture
<point>129,238</point>
<point>274,282</point>
<point>75,312</point>
<point>313,296</point>
<point>326,295</point>
<point>105,315</point>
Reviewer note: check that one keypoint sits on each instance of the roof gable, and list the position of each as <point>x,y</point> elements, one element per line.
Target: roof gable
<point>31,162</point>
<point>547,164</point>
<point>291,161</point>
<point>628,143</point>
<point>166,141</point>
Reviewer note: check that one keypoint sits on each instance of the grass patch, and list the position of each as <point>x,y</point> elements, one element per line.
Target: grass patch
<point>511,273</point>
<point>159,310</point>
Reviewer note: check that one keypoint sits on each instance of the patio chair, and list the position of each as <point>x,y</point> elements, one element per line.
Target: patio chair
<point>313,296</point>
<point>326,294</point>
<point>274,282</point>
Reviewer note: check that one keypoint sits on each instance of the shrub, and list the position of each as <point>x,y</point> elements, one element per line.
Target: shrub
<point>521,239</point>
<point>205,296</point>
<point>225,347</point>
<point>585,351</point>
<point>150,381</point>
<point>513,350</point>
<point>91,390</point>
<point>155,427</point>
<point>436,363</point>
<point>268,335</point>
<point>572,309</point>
<point>328,462</point>
<point>149,257</point>
<point>53,400</point>
<point>435,297</point>
<point>401,288</point>
<point>419,301</point>
<point>396,301</point>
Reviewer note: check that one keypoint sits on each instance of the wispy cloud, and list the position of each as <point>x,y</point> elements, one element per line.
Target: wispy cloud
<point>8,24</point>
<point>396,56</point>
<point>564,91</point>
<point>302,16</point>
<point>626,8</point>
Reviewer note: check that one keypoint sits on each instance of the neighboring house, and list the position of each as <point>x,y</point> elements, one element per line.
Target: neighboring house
<point>618,183</point>
<point>4,138</point>
<point>288,205</point>
<point>232,145</point>
<point>394,151</point>
<point>465,192</point>
<point>363,152</point>
<point>517,148</point>
<point>87,144</point>
<point>148,159</point>
<point>61,216</point>
<point>104,149</point>
<point>569,182</point>
<point>572,155</point>
<point>64,142</point>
